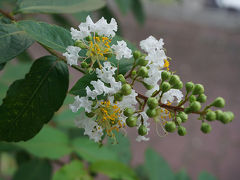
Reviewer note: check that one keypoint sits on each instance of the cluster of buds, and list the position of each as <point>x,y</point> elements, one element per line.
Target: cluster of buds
<point>111,102</point>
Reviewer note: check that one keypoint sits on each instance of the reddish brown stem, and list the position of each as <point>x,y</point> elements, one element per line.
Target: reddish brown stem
<point>6,14</point>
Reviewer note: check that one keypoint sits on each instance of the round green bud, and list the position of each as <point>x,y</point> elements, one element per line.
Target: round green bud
<point>94,103</point>
<point>152,102</point>
<point>118,97</point>
<point>219,102</point>
<point>131,121</point>
<point>84,65</point>
<point>227,117</point>
<point>90,70</point>
<point>165,75</point>
<point>206,128</point>
<point>192,98</point>
<point>219,114</point>
<point>178,85</point>
<point>182,131</point>
<point>183,116</point>
<point>198,89</point>
<point>128,112</point>
<point>147,86</point>
<point>189,86</point>
<point>88,38</point>
<point>165,86</point>
<point>90,115</point>
<point>136,54</point>
<point>211,116</point>
<point>179,120</point>
<point>142,130</point>
<point>151,113</point>
<point>202,98</point>
<point>134,72</point>
<point>143,71</point>
<point>121,78</point>
<point>80,44</point>
<point>174,79</point>
<point>195,106</point>
<point>170,126</point>
<point>126,89</point>
<point>187,110</point>
<point>142,62</point>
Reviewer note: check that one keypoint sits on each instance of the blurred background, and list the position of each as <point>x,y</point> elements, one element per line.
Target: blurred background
<point>203,39</point>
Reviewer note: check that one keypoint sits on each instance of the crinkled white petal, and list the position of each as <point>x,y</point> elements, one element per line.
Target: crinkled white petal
<point>72,55</point>
<point>171,94</point>
<point>128,101</point>
<point>105,29</point>
<point>122,50</point>
<point>106,73</point>
<point>151,43</point>
<point>157,57</point>
<point>81,102</point>
<point>142,138</point>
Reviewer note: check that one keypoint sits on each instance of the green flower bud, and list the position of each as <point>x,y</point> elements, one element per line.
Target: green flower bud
<point>202,98</point>
<point>187,110</point>
<point>84,65</point>
<point>151,113</point>
<point>231,115</point>
<point>219,114</point>
<point>128,112</point>
<point>88,38</point>
<point>134,73</point>
<point>90,115</point>
<point>206,128</point>
<point>189,86</point>
<point>183,116</point>
<point>126,89</point>
<point>136,54</point>
<point>118,97</point>
<point>195,106</point>
<point>147,86</point>
<point>131,121</point>
<point>121,78</point>
<point>227,117</point>
<point>143,71</point>
<point>142,130</point>
<point>94,103</point>
<point>152,102</point>
<point>165,86</point>
<point>178,85</point>
<point>174,79</point>
<point>198,89</point>
<point>80,44</point>
<point>142,62</point>
<point>179,120</point>
<point>219,102</point>
<point>192,98</point>
<point>170,126</point>
<point>90,70</point>
<point>165,75</point>
<point>182,131</point>
<point>211,115</point>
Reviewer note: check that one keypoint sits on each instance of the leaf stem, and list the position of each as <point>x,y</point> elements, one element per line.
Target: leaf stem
<point>8,15</point>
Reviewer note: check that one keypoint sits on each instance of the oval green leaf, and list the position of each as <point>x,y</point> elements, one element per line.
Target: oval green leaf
<point>58,6</point>
<point>32,101</point>
<point>13,41</point>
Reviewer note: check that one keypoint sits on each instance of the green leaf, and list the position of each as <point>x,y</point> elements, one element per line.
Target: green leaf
<point>124,5</point>
<point>122,148</point>
<point>34,170</point>
<point>48,143</point>
<point>24,57</point>
<point>81,16</point>
<point>90,151</point>
<point>72,171</point>
<point>138,11</point>
<point>2,66</point>
<point>113,169</point>
<point>156,167</point>
<point>58,6</point>
<point>182,175</point>
<point>51,36</point>
<point>13,41</point>
<point>124,66</point>
<point>206,176</point>
<point>32,101</point>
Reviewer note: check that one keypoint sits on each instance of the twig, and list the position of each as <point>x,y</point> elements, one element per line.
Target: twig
<point>8,15</point>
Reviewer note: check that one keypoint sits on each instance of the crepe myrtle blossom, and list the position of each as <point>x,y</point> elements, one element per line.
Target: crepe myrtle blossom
<point>96,41</point>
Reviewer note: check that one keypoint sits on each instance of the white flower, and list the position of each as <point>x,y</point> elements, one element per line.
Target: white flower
<point>90,127</point>
<point>105,29</point>
<point>106,73</point>
<point>122,50</point>
<point>157,57</point>
<point>81,102</point>
<point>142,138</point>
<point>72,55</point>
<point>151,43</point>
<point>128,101</point>
<point>169,96</point>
